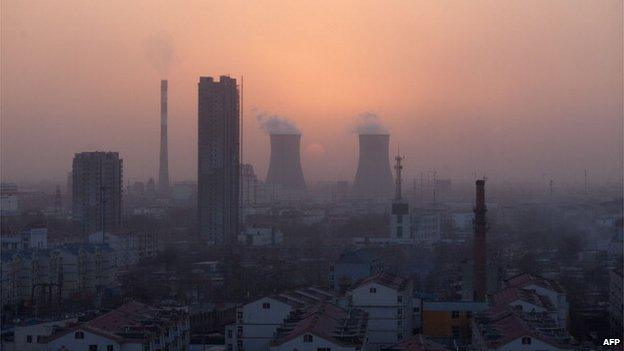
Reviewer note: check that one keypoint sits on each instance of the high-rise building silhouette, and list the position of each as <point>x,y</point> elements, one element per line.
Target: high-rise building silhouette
<point>97,178</point>
<point>163,173</point>
<point>218,160</point>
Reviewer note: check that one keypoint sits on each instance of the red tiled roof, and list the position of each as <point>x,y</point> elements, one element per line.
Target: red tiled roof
<point>386,279</point>
<point>524,279</point>
<point>513,293</point>
<point>321,320</point>
<point>417,343</point>
<point>119,323</point>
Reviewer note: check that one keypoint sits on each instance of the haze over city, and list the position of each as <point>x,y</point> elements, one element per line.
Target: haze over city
<point>276,175</point>
<point>517,91</point>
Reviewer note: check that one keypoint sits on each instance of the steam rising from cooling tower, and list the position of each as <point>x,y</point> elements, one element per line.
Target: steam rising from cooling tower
<point>374,177</point>
<point>369,123</point>
<point>272,124</point>
<point>285,164</point>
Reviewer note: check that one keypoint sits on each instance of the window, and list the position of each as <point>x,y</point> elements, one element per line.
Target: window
<point>110,348</point>
<point>372,290</point>
<point>230,347</point>
<point>307,338</point>
<point>400,299</point>
<point>468,314</point>
<point>456,332</point>
<point>323,349</point>
<point>230,334</point>
<point>400,336</point>
<point>455,314</point>
<point>29,339</point>
<point>400,311</point>
<point>526,340</point>
<point>40,339</point>
<point>92,347</point>
<point>78,335</point>
<point>239,315</point>
<point>266,305</point>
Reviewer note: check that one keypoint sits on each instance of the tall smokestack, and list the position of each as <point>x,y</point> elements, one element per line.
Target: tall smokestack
<point>480,273</point>
<point>163,174</point>
<point>285,164</point>
<point>373,178</point>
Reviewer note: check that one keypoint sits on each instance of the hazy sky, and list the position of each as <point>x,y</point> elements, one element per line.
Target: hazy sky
<point>518,90</point>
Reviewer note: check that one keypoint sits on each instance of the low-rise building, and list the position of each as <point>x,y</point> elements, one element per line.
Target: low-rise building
<point>350,267</point>
<point>323,327</point>
<point>416,343</point>
<point>529,313</point>
<point>257,321</point>
<point>387,299</point>
<point>548,290</point>
<point>133,326</point>
<point>509,331</point>
<point>450,321</point>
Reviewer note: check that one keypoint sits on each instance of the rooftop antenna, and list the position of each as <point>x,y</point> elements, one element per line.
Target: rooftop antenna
<point>398,168</point>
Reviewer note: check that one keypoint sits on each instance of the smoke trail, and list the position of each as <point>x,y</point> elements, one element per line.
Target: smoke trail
<point>273,124</point>
<point>159,52</point>
<point>368,123</point>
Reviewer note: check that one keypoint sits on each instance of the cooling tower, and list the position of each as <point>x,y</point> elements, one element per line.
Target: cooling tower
<point>285,164</point>
<point>373,178</point>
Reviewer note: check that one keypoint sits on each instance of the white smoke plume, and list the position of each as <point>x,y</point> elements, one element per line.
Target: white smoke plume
<point>369,123</point>
<point>159,52</point>
<point>273,124</point>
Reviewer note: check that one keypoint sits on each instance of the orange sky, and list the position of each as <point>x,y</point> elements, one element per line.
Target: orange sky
<point>513,89</point>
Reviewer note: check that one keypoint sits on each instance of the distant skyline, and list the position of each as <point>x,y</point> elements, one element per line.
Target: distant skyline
<point>516,90</point>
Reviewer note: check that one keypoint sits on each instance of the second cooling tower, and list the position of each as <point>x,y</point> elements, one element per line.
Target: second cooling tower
<point>373,178</point>
<point>285,165</point>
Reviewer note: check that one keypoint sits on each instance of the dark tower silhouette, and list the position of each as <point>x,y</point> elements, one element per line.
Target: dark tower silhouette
<point>374,177</point>
<point>218,160</point>
<point>97,178</point>
<point>163,174</point>
<point>285,164</point>
<point>480,260</point>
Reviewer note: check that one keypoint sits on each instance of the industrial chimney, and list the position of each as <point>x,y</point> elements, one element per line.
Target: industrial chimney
<point>285,164</point>
<point>373,178</point>
<point>480,273</point>
<point>163,174</point>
